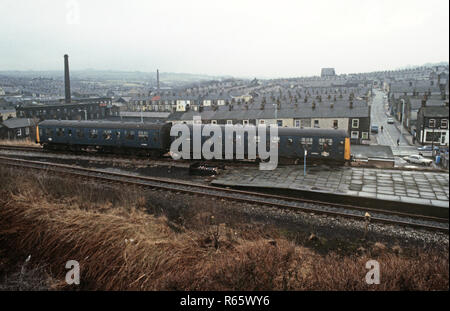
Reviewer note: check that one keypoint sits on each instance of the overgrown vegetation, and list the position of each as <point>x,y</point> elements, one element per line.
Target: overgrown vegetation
<point>124,239</point>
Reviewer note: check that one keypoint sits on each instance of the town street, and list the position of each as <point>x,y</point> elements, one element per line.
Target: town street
<point>391,132</point>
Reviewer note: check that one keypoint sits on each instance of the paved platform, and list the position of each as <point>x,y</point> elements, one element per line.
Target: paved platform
<point>416,187</point>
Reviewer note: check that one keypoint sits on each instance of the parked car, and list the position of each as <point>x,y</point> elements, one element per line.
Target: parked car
<point>374,129</point>
<point>390,120</point>
<point>418,159</point>
<point>426,151</point>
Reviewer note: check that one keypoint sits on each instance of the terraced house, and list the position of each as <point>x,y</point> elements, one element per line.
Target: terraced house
<point>352,116</point>
<point>432,125</point>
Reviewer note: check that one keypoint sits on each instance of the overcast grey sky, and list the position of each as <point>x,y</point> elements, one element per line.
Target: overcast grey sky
<point>241,38</point>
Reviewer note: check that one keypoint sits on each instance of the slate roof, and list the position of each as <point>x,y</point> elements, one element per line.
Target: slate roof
<point>101,124</point>
<point>441,111</point>
<point>14,123</point>
<point>145,114</point>
<point>269,113</point>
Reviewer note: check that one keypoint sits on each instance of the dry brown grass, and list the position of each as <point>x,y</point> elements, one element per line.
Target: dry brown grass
<point>28,142</point>
<point>121,247</point>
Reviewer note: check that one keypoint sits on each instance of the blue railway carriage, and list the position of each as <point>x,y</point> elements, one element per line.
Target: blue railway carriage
<point>105,136</point>
<point>322,145</point>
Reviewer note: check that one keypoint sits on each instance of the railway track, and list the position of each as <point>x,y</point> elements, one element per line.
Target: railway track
<point>166,160</point>
<point>282,202</point>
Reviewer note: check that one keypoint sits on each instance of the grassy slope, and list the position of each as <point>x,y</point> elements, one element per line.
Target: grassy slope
<point>121,247</point>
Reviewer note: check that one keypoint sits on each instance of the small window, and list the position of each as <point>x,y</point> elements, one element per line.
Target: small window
<point>432,123</point>
<point>335,124</point>
<point>107,135</point>
<point>355,123</point>
<point>213,121</point>
<point>27,131</point>
<point>80,133</point>
<point>129,135</point>
<point>280,122</point>
<point>325,141</point>
<point>365,135</point>
<point>93,133</point>
<point>143,135</point>
<point>19,132</point>
<point>261,122</point>
<point>59,131</point>
<point>230,122</point>
<point>306,141</point>
<point>69,133</point>
<point>355,135</point>
<point>444,123</point>
<point>297,123</point>
<point>316,123</point>
<point>245,122</point>
<point>117,134</point>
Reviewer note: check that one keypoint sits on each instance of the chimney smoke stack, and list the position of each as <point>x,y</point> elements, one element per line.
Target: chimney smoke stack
<point>67,79</point>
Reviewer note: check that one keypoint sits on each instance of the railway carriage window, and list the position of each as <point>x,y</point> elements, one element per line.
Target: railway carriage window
<point>69,133</point>
<point>80,133</point>
<point>93,133</point>
<point>130,135</point>
<point>117,134</point>
<point>48,132</point>
<point>107,135</point>
<point>143,135</point>
<point>306,141</point>
<point>59,132</point>
<point>40,132</point>
<point>327,141</point>
<point>289,141</point>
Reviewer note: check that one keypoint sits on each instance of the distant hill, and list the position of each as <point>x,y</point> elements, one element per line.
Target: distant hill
<point>113,75</point>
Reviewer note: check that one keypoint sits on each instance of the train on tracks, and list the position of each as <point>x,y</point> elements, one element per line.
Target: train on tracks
<point>154,139</point>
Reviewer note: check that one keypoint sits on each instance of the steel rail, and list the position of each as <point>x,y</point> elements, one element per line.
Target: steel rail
<point>224,193</point>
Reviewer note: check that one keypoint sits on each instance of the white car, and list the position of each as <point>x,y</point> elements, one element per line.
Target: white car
<point>390,120</point>
<point>418,159</point>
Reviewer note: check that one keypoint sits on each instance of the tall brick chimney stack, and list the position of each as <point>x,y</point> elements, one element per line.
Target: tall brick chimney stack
<point>67,79</point>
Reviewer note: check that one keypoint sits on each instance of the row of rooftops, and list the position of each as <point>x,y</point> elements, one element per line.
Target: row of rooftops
<point>287,113</point>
